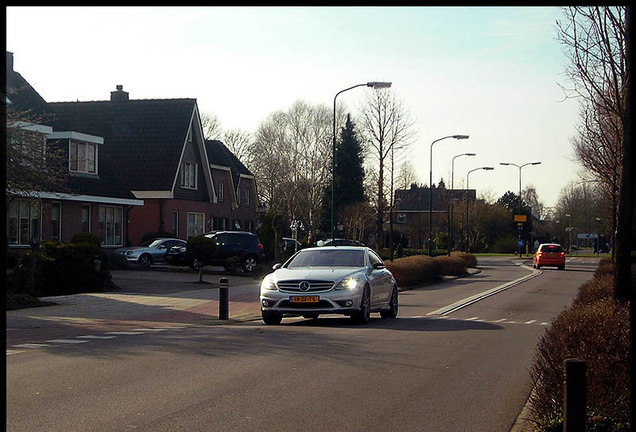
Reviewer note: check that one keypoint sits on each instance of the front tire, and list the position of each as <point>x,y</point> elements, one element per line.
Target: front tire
<point>145,260</point>
<point>363,315</point>
<point>393,306</point>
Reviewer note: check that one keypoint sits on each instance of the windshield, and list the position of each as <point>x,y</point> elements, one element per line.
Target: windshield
<point>328,258</point>
<point>151,243</point>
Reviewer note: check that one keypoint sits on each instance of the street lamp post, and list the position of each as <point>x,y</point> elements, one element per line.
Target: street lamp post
<point>569,230</point>
<point>430,191</point>
<point>519,166</point>
<point>374,85</point>
<point>450,204</point>
<point>487,168</point>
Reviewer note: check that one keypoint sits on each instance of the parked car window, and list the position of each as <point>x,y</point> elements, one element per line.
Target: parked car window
<point>221,239</point>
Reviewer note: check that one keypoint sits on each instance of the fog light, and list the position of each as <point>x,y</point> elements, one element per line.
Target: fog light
<point>349,303</point>
<point>265,303</point>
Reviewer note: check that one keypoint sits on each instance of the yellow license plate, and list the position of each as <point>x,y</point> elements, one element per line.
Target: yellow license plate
<point>304,299</point>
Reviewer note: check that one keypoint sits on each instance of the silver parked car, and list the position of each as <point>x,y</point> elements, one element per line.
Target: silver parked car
<point>150,251</point>
<point>347,280</point>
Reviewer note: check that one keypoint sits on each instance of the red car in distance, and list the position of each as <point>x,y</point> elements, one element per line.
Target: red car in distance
<point>549,254</point>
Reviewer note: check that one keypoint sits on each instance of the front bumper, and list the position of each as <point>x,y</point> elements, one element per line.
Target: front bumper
<point>332,302</point>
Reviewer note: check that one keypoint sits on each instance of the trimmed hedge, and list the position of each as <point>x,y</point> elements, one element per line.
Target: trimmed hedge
<point>60,269</point>
<point>419,269</point>
<point>595,328</point>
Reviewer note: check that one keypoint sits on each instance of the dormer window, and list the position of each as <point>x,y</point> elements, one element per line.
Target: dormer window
<point>189,174</point>
<point>83,157</point>
<point>83,150</point>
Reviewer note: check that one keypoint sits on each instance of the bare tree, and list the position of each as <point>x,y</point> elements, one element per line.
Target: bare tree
<point>211,126</point>
<point>288,156</point>
<point>598,148</point>
<point>388,127</point>
<point>270,165</point>
<point>238,141</point>
<point>406,176</point>
<point>32,163</point>
<point>598,42</point>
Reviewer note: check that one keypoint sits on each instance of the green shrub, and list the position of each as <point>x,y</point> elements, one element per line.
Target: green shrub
<point>60,269</point>
<point>595,329</point>
<point>232,264</point>
<point>202,249</point>
<point>86,237</point>
<point>505,245</point>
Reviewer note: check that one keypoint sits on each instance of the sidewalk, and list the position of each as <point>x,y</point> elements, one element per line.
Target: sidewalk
<point>146,299</point>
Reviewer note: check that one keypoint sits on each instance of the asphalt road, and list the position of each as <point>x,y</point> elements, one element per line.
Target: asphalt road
<point>457,358</point>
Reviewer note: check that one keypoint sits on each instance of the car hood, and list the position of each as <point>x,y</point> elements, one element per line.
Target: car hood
<point>322,273</point>
<point>132,248</point>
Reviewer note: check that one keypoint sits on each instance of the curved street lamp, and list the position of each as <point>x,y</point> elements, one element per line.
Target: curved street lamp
<point>450,205</point>
<point>430,191</point>
<point>474,169</point>
<point>374,85</point>
<point>519,166</point>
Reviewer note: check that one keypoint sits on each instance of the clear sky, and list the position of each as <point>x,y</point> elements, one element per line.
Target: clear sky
<point>493,73</point>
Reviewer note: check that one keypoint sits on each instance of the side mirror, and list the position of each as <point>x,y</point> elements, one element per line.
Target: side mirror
<point>378,266</point>
<point>276,266</point>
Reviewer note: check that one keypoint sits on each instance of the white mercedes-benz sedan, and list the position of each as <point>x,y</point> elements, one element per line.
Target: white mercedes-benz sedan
<point>346,280</point>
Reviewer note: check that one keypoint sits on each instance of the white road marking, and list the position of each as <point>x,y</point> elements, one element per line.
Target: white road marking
<point>124,333</point>
<point>96,337</point>
<point>477,297</point>
<point>31,345</point>
<point>67,341</point>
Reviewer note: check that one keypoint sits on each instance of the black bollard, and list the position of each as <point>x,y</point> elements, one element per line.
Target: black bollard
<point>224,308</point>
<point>575,396</point>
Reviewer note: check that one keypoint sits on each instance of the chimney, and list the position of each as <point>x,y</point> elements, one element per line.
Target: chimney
<point>9,61</point>
<point>119,94</point>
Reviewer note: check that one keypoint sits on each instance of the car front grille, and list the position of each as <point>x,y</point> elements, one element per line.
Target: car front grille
<point>305,285</point>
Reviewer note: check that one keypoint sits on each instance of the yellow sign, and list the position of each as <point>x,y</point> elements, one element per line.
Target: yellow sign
<point>521,218</point>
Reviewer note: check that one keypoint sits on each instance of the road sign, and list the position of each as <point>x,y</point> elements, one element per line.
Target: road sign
<point>520,243</point>
<point>521,218</point>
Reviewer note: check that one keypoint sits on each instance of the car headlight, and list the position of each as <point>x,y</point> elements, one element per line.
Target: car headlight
<point>129,252</point>
<point>268,284</point>
<point>350,283</point>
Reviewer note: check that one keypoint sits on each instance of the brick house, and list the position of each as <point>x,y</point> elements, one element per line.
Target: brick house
<point>92,201</point>
<point>411,214</point>
<point>155,150</point>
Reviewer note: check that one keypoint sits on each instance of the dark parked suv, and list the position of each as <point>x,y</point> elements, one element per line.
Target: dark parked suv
<point>243,245</point>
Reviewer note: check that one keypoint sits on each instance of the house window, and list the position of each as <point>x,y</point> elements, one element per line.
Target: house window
<point>238,196</point>
<point>83,157</point>
<point>86,218</point>
<point>189,173</point>
<point>175,224</point>
<point>247,197</point>
<point>220,188</point>
<point>110,223</point>
<point>196,224</point>
<point>56,216</point>
<point>23,222</point>
<point>401,218</point>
